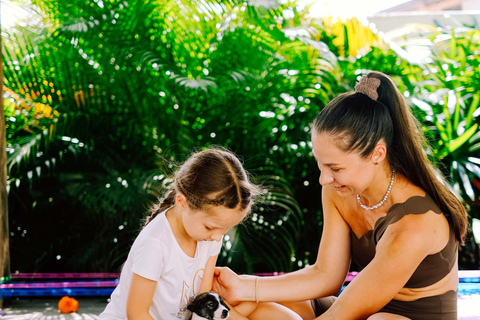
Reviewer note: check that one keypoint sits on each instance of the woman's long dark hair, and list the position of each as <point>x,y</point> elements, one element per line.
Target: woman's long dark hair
<point>359,122</point>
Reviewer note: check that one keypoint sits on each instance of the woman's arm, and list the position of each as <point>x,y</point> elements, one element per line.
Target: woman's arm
<point>327,275</point>
<point>399,252</point>
<point>140,297</point>
<point>324,278</point>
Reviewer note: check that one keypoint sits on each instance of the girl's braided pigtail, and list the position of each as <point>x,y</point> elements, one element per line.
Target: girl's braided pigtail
<point>165,203</point>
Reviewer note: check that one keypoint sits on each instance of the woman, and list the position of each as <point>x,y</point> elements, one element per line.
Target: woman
<point>383,206</point>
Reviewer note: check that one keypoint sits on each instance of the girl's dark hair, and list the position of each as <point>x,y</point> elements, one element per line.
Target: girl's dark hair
<point>358,122</point>
<point>211,177</point>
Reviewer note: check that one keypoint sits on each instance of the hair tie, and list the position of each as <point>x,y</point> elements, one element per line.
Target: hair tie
<point>368,86</point>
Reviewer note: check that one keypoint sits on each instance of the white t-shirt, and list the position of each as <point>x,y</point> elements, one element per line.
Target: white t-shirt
<point>156,255</point>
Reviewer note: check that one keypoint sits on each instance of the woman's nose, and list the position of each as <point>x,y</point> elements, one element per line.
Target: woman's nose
<point>325,178</point>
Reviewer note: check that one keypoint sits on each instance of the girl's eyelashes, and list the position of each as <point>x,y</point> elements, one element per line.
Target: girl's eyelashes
<point>208,228</point>
<point>335,170</point>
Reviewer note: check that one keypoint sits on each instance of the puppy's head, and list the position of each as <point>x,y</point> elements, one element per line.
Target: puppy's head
<point>209,305</point>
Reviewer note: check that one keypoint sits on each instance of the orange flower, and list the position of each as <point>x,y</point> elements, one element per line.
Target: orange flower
<point>67,305</point>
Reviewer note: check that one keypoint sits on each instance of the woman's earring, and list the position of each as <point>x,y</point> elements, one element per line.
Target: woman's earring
<point>375,163</point>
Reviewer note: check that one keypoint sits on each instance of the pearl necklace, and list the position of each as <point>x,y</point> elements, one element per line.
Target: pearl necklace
<point>384,198</point>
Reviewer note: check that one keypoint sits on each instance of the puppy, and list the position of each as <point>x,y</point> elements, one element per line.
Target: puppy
<point>208,305</point>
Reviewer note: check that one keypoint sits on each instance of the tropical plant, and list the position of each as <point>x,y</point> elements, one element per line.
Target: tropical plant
<point>351,37</point>
<point>136,86</point>
<point>446,93</point>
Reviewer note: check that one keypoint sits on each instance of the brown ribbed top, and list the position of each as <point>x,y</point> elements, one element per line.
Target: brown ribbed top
<point>433,268</point>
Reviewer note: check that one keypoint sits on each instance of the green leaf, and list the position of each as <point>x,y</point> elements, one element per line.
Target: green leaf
<point>474,160</point>
<point>473,168</point>
<point>453,46</point>
<point>456,117</point>
<point>467,186</point>
<point>458,142</point>
<point>450,105</point>
<point>472,109</point>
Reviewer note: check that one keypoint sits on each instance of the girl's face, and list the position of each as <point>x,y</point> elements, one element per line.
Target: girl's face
<point>348,173</point>
<point>212,223</point>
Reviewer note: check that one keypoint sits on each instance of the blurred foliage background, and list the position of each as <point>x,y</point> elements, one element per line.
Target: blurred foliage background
<point>103,99</point>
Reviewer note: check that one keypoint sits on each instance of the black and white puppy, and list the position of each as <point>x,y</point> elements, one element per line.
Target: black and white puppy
<point>208,305</point>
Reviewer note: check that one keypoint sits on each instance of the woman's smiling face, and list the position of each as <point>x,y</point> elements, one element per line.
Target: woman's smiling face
<point>347,172</point>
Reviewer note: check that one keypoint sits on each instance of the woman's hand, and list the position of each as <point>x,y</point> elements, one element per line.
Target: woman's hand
<point>227,284</point>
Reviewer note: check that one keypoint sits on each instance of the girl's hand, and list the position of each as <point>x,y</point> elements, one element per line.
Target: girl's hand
<point>227,284</point>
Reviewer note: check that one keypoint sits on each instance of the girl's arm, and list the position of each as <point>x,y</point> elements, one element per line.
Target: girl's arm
<point>140,297</point>
<point>207,285</point>
<point>324,278</point>
<point>207,280</point>
<point>399,252</point>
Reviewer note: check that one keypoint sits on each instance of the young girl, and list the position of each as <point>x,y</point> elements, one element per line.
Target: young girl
<point>174,255</point>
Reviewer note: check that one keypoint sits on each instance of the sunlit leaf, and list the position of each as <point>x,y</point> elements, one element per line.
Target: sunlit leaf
<point>456,143</point>
<point>466,182</point>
